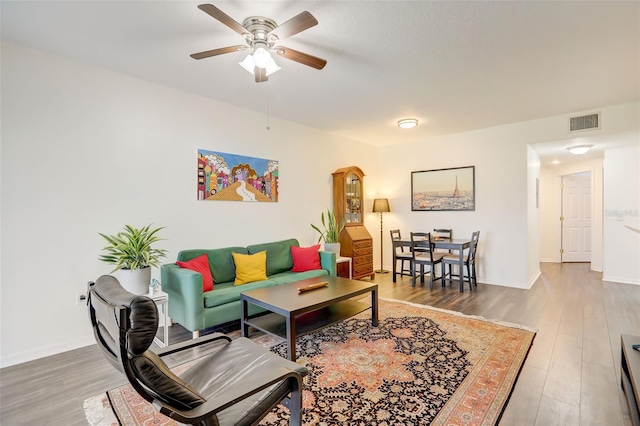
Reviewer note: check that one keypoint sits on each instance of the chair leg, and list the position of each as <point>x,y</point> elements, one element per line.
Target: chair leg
<point>395,262</point>
<point>473,269</point>
<point>403,269</point>
<point>431,277</point>
<point>469,275</point>
<point>447,277</point>
<point>295,404</point>
<point>413,274</point>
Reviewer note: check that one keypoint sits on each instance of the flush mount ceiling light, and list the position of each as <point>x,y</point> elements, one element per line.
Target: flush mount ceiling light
<point>579,149</point>
<point>408,123</point>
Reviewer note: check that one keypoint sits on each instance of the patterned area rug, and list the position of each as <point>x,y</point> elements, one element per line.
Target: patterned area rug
<point>420,366</point>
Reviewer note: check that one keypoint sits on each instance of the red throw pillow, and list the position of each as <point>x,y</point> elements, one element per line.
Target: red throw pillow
<point>305,258</point>
<point>200,264</point>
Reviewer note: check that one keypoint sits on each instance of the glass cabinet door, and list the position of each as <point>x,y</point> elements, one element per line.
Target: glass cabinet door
<point>353,198</point>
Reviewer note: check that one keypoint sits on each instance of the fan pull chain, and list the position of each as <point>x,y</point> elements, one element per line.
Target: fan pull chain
<point>268,109</point>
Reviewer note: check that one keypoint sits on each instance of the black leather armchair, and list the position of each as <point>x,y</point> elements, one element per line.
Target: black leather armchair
<point>237,385</point>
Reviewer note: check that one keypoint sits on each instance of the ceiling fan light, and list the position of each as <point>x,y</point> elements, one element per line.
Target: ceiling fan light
<point>272,66</point>
<point>408,123</point>
<point>579,149</point>
<point>261,57</point>
<point>248,64</point>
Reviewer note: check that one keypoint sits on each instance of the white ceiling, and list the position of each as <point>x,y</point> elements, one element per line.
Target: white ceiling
<point>454,65</point>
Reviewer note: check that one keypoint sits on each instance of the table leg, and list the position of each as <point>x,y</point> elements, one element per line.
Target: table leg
<point>350,269</point>
<point>374,308</point>
<point>165,311</point>
<point>243,316</point>
<point>461,269</point>
<point>291,337</point>
<point>164,305</point>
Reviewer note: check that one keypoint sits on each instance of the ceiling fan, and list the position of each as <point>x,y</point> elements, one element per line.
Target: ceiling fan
<point>262,35</point>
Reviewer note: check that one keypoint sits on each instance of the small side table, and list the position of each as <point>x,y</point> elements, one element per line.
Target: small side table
<point>161,300</point>
<point>343,259</point>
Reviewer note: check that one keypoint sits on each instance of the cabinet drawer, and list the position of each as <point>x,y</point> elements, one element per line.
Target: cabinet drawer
<point>362,251</point>
<point>362,269</point>
<point>361,244</point>
<point>362,260</point>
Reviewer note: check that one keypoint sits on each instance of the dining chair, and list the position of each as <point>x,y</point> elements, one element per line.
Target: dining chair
<point>422,255</point>
<point>443,234</point>
<point>400,255</point>
<point>469,263</point>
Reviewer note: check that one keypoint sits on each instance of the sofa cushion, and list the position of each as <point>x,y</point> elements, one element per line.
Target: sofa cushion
<point>220,261</point>
<point>291,277</point>
<point>250,267</point>
<point>229,292</point>
<point>278,254</point>
<point>305,258</point>
<point>200,264</point>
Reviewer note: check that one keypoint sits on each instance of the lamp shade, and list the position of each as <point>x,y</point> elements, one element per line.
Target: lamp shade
<point>265,61</point>
<point>261,57</point>
<point>381,205</point>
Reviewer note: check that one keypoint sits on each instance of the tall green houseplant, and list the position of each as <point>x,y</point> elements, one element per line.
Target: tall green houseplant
<point>331,229</point>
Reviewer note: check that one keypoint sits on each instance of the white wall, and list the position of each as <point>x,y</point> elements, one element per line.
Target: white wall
<point>500,159</point>
<point>85,150</point>
<point>533,220</point>
<point>622,215</point>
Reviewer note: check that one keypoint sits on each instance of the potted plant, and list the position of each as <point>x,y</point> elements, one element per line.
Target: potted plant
<point>131,252</point>
<point>331,231</point>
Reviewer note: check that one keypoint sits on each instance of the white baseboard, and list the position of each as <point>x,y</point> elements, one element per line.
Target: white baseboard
<point>622,280</point>
<point>26,356</point>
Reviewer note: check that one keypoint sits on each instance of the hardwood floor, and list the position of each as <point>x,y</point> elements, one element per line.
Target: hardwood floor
<point>571,376</point>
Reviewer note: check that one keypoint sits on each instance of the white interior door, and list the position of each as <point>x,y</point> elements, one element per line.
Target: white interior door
<point>576,214</point>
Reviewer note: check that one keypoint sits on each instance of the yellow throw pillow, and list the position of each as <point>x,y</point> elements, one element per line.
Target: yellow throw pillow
<point>250,267</point>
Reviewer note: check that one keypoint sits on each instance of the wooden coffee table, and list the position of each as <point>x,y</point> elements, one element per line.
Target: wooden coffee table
<point>294,313</point>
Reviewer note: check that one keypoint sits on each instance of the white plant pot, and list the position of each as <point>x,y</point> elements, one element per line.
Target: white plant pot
<point>135,281</point>
<point>335,247</point>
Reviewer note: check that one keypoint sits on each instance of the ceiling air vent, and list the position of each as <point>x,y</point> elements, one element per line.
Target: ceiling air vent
<point>584,122</point>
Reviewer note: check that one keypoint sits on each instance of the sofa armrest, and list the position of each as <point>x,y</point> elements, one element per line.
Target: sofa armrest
<point>186,303</point>
<point>328,262</point>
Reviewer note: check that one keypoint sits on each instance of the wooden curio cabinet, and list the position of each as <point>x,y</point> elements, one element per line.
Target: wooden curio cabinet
<point>348,204</point>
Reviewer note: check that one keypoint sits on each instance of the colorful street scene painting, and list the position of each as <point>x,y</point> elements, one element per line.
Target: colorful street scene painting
<point>230,177</point>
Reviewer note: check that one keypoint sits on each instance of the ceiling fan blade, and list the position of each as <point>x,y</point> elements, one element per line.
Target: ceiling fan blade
<point>215,52</point>
<point>225,19</point>
<point>303,58</point>
<point>300,22</point>
<point>261,74</point>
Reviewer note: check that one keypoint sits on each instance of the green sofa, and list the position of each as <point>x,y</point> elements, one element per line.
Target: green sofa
<point>196,310</point>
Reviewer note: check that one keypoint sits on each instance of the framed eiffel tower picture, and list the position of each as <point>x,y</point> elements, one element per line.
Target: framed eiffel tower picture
<point>444,189</point>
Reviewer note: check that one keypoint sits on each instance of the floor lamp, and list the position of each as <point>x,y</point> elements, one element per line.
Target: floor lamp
<point>381,205</point>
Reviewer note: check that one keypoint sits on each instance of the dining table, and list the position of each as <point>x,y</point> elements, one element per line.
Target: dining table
<point>456,244</point>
